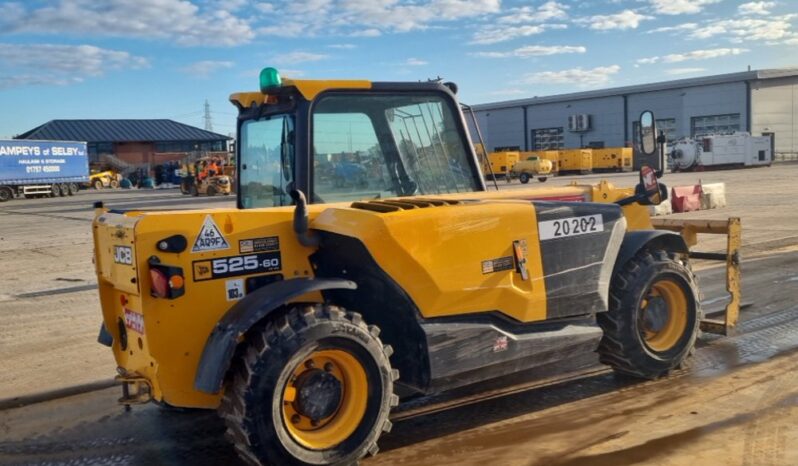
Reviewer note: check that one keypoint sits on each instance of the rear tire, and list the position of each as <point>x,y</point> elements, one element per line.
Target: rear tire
<point>55,190</point>
<point>114,184</point>
<point>523,178</point>
<point>654,316</point>
<point>211,191</point>
<point>73,189</point>
<point>317,359</point>
<point>542,178</point>
<point>6,194</point>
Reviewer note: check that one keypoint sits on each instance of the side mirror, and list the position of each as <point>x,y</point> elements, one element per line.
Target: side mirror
<point>647,133</point>
<point>649,187</point>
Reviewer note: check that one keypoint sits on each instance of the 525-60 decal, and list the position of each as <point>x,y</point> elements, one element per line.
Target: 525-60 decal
<point>234,266</point>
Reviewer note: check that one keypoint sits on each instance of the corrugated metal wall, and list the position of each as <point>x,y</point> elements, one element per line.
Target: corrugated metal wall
<point>774,105</point>
<point>505,127</point>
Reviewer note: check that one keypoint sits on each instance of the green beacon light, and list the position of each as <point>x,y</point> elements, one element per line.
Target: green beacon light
<point>269,78</point>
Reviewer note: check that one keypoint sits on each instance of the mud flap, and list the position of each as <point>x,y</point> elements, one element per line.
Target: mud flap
<point>105,338</point>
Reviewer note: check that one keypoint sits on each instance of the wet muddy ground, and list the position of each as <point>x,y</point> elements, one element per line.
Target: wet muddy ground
<point>737,405</point>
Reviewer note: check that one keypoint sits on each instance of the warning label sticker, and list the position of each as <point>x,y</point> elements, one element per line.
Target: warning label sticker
<point>210,238</point>
<point>497,265</point>
<point>234,289</point>
<point>134,321</point>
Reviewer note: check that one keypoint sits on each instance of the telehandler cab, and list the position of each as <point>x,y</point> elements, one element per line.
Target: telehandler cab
<point>304,313</point>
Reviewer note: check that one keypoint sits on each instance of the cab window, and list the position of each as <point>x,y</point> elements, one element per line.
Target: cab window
<point>266,161</point>
<point>372,146</point>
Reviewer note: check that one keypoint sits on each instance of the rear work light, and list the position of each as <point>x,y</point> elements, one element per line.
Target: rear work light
<point>167,282</point>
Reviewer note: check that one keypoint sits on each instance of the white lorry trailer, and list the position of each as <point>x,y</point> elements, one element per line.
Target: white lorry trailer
<point>721,151</point>
<point>41,168</point>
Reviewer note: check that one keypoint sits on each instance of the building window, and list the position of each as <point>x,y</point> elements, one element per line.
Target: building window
<point>667,126</point>
<point>715,124</point>
<point>91,148</point>
<point>547,138</point>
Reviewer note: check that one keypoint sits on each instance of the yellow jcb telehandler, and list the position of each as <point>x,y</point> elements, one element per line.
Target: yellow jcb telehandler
<point>303,314</point>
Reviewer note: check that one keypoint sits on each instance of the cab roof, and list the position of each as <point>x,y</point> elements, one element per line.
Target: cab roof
<point>310,88</point>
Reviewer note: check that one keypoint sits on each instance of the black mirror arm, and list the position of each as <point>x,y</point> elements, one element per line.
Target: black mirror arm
<point>661,140</point>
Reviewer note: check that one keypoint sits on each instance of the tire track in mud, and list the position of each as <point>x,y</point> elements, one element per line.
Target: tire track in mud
<point>766,437</point>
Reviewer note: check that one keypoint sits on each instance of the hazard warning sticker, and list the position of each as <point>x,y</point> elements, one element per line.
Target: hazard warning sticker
<point>210,238</point>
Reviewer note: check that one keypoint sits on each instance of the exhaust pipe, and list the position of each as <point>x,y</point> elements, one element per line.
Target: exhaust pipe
<point>301,220</point>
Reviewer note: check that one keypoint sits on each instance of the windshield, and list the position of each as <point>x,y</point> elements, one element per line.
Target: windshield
<point>370,146</point>
<point>267,159</point>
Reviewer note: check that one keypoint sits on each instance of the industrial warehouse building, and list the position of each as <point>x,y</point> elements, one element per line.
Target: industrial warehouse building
<point>760,102</point>
<point>125,143</point>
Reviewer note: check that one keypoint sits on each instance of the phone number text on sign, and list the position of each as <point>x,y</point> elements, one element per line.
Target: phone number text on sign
<point>571,226</point>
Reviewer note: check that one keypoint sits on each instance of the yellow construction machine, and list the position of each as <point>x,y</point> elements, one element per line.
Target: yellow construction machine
<point>531,166</point>
<point>197,179</point>
<point>303,314</point>
<point>103,179</point>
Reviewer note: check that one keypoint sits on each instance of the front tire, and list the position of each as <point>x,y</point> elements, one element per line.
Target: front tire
<point>654,316</point>
<point>542,179</point>
<point>523,178</point>
<point>313,388</point>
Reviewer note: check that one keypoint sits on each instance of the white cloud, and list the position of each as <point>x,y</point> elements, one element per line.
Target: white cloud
<point>533,51</point>
<point>415,62</point>
<point>342,46</point>
<point>371,32</point>
<point>755,8</point>
<point>693,55</point>
<point>283,30</point>
<point>680,71</point>
<point>494,35</point>
<point>626,19</point>
<point>65,64</point>
<point>677,28</point>
<point>528,14</point>
<point>264,7</point>
<point>578,76</point>
<point>370,18</point>
<point>179,21</point>
<point>748,29</point>
<point>679,7</point>
<point>204,68</point>
<point>291,58</point>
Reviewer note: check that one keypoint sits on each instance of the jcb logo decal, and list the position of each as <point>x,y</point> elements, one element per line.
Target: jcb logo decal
<point>123,255</point>
<point>202,270</point>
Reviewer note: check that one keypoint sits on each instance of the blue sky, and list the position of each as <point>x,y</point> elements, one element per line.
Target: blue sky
<point>163,58</point>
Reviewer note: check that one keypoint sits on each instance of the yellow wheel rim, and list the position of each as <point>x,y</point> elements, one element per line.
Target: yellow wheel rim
<point>667,335</point>
<point>327,432</point>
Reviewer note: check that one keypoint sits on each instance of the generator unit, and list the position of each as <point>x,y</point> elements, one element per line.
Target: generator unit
<point>720,151</point>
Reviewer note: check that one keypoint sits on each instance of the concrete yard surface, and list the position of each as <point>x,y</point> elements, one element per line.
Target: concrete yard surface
<point>50,312</point>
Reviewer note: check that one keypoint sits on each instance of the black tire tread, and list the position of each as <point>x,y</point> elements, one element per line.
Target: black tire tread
<point>616,346</point>
<point>233,406</point>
